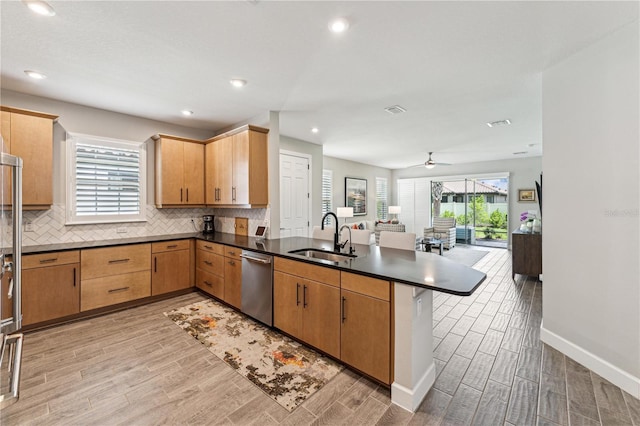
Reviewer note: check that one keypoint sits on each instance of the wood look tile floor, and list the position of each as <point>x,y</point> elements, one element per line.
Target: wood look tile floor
<point>136,367</point>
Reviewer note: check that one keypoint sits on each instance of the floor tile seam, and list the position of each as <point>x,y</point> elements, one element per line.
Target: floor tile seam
<point>627,412</point>
<point>624,397</point>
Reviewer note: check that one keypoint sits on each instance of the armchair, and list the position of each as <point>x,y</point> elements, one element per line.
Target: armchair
<point>445,228</point>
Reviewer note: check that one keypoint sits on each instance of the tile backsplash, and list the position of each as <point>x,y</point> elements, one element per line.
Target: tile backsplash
<point>48,227</point>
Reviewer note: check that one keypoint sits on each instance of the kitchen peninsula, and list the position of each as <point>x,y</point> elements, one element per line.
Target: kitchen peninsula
<point>407,277</point>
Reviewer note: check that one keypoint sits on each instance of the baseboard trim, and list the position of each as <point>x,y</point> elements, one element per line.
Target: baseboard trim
<point>410,399</point>
<point>615,375</point>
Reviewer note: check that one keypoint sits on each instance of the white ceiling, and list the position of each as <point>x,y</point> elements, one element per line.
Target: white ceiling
<point>453,65</point>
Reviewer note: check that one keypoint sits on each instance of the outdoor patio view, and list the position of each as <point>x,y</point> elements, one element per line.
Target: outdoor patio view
<point>480,207</point>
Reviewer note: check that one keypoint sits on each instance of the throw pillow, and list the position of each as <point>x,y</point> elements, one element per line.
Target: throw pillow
<point>360,226</point>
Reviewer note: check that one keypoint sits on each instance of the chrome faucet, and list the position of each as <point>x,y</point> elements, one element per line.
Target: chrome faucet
<point>336,243</point>
<point>348,241</point>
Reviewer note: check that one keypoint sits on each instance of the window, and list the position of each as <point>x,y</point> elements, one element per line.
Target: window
<point>106,180</point>
<point>382,198</point>
<point>327,191</point>
<point>490,199</point>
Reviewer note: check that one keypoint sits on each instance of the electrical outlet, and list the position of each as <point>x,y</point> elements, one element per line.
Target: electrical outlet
<point>28,226</point>
<point>420,306</point>
<point>121,230</point>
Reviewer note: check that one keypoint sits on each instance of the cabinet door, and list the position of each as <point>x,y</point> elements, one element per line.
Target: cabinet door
<point>365,334</point>
<point>233,282</point>
<point>321,316</point>
<point>5,130</point>
<point>241,168</point>
<point>49,293</point>
<point>32,140</point>
<point>170,272</point>
<point>193,173</point>
<point>287,303</point>
<point>223,153</point>
<point>170,174</point>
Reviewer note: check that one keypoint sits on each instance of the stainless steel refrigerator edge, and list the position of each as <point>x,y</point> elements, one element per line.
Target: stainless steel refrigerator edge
<point>257,286</point>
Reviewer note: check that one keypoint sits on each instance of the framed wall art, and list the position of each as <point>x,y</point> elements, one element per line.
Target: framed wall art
<point>526,194</point>
<point>355,192</point>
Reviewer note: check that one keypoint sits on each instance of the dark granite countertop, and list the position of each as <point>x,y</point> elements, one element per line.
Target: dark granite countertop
<point>416,268</point>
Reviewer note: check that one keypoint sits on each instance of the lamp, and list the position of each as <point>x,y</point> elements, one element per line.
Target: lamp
<point>345,212</point>
<point>395,210</point>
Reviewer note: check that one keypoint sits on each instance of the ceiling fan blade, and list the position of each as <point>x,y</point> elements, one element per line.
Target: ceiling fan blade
<point>443,164</point>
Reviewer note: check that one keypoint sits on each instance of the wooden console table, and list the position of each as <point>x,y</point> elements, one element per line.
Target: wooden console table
<point>526,253</point>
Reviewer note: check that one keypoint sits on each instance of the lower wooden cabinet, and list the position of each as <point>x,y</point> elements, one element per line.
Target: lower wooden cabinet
<point>50,286</point>
<point>210,268</point>
<point>233,277</point>
<point>526,254</point>
<point>110,290</point>
<point>365,338</point>
<point>171,265</point>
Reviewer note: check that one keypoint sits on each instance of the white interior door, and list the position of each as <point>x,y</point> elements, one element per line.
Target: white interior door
<point>294,196</point>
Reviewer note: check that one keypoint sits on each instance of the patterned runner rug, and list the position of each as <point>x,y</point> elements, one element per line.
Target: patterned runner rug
<point>284,369</point>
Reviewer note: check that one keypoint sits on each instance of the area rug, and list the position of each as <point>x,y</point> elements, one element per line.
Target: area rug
<point>284,369</point>
<point>466,256</point>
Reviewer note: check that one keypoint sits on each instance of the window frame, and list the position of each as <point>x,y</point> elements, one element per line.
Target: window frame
<point>71,217</point>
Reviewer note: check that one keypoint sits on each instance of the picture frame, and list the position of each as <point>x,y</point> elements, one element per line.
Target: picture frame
<point>527,195</point>
<point>355,193</point>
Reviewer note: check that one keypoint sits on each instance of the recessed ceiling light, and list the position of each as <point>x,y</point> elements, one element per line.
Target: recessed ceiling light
<point>520,153</point>
<point>339,25</point>
<point>40,7</point>
<point>499,123</point>
<point>314,130</point>
<point>186,112</point>
<point>395,109</point>
<point>35,75</point>
<point>237,82</point>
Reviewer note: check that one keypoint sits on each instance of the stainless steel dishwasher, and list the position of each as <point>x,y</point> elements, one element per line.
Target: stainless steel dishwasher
<point>257,286</point>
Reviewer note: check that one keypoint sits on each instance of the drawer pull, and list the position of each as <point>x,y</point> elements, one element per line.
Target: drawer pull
<point>114,290</point>
<point>206,262</point>
<point>208,247</point>
<point>118,261</point>
<point>232,263</point>
<point>208,283</point>
<point>172,246</point>
<point>53,259</point>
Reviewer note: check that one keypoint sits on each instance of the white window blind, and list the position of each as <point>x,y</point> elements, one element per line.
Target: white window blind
<point>327,191</point>
<point>382,198</point>
<point>106,180</point>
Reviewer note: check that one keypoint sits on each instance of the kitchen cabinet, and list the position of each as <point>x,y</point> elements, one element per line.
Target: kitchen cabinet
<point>365,338</point>
<point>210,268</point>
<point>237,168</point>
<point>171,264</point>
<point>179,172</point>
<point>526,254</point>
<point>308,309</point>
<point>114,275</point>
<point>29,135</point>
<point>233,276</point>
<point>50,286</point>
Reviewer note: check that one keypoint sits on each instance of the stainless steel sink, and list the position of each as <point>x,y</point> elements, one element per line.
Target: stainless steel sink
<point>323,255</point>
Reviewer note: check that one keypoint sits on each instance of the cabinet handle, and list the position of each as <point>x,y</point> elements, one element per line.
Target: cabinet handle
<point>114,290</point>
<point>304,296</point>
<point>206,262</point>
<point>119,261</point>
<point>74,277</point>
<point>344,313</point>
<point>232,253</point>
<point>207,283</point>
<point>180,194</point>
<point>155,263</point>
<point>233,193</point>
<point>297,294</point>
<point>232,263</point>
<point>208,247</point>
<point>172,246</point>
<point>187,195</point>
<point>53,259</point>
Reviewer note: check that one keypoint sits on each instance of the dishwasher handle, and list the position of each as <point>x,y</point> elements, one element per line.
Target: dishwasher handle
<point>256,259</point>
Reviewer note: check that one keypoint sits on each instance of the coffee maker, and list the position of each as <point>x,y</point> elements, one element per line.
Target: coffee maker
<point>208,226</point>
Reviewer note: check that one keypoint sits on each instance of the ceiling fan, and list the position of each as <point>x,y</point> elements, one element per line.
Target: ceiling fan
<point>430,164</point>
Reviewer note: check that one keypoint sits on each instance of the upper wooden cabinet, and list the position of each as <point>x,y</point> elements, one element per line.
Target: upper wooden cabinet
<point>179,172</point>
<point>237,168</point>
<point>29,135</point>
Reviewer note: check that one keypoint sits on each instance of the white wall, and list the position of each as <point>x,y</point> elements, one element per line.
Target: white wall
<point>591,298</point>
<point>344,168</point>
<point>523,173</point>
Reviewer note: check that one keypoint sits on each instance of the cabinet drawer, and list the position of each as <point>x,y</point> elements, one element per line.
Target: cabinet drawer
<point>108,261</point>
<point>373,287</point>
<point>210,283</point>
<point>210,247</point>
<point>169,246</point>
<point>104,291</point>
<point>307,270</point>
<point>50,259</point>
<point>233,252</point>
<point>210,262</point>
